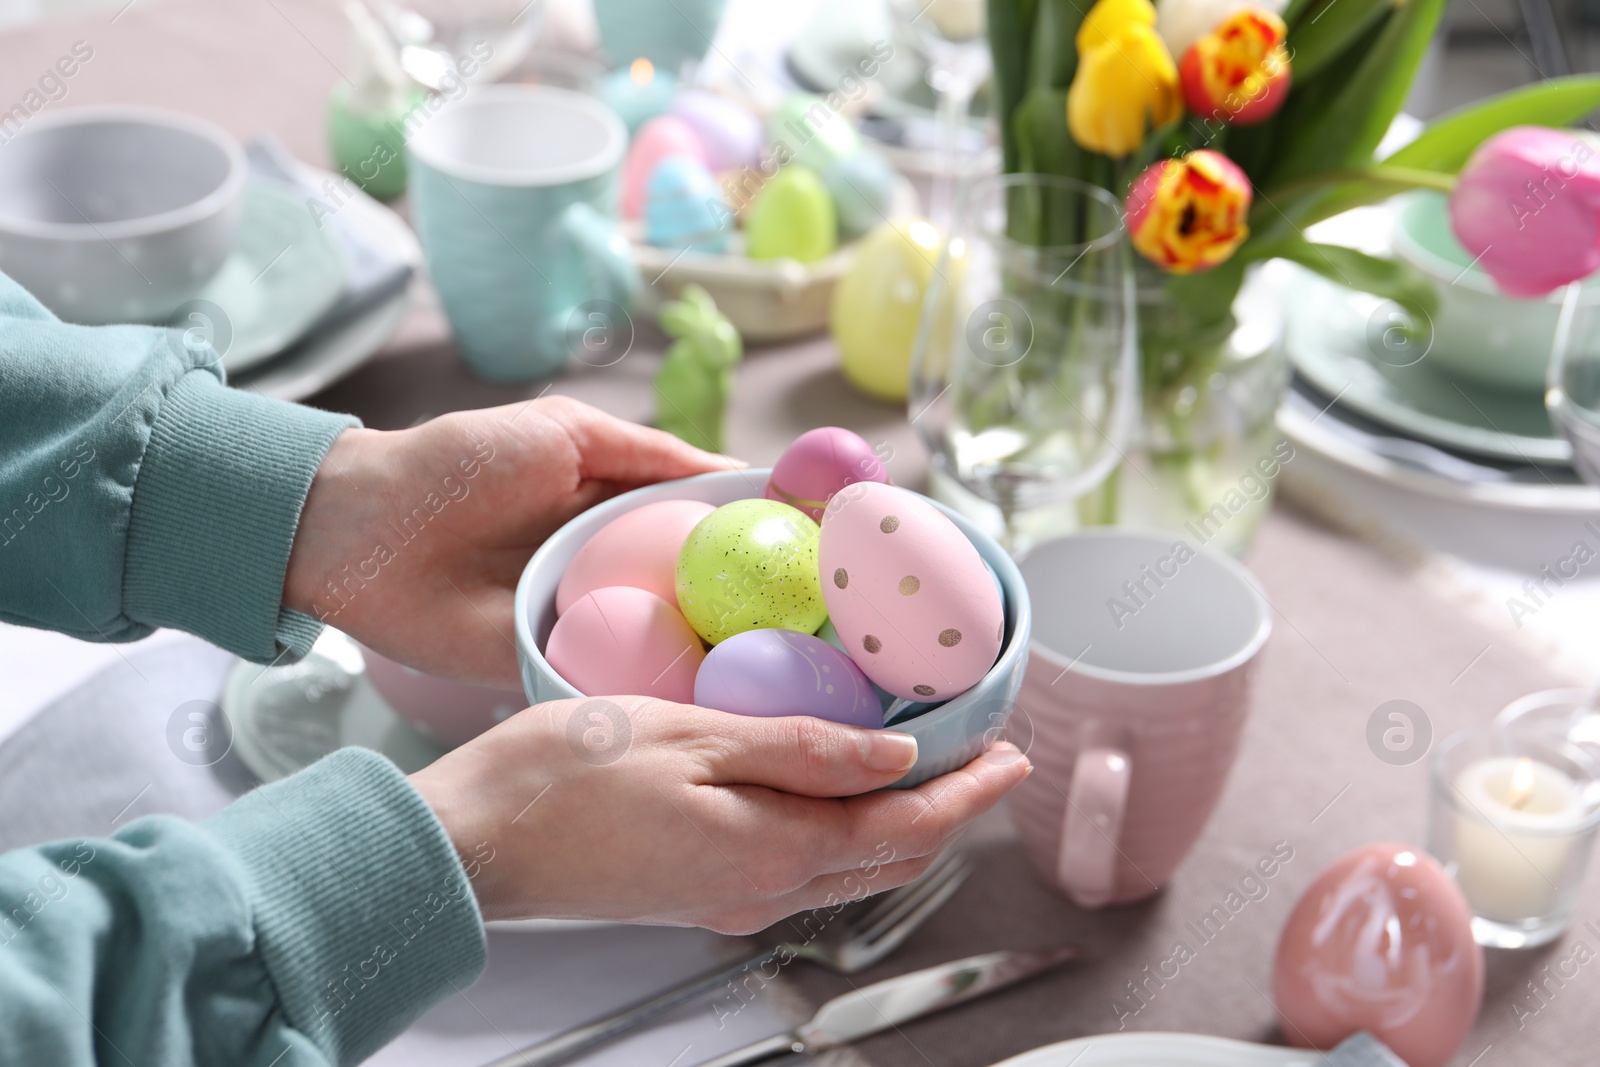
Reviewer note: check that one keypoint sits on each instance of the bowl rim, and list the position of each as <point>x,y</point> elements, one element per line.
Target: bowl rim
<point>1216,669</point>
<point>1016,590</point>
<point>226,193</point>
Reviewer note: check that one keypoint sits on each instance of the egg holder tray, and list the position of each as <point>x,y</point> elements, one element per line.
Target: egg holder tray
<point>949,735</point>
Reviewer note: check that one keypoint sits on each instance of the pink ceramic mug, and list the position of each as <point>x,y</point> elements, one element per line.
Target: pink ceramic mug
<point>1138,681</point>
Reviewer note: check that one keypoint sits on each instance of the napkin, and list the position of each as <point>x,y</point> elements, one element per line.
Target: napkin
<point>373,275</point>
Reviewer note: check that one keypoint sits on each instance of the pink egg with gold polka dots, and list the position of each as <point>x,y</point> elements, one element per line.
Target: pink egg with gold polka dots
<point>908,593</point>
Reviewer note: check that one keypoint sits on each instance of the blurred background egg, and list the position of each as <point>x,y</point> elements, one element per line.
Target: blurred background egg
<point>862,187</point>
<point>749,565</point>
<point>662,136</point>
<point>818,464</point>
<point>622,641</point>
<point>877,304</point>
<point>730,134</point>
<point>639,548</point>
<point>791,217</point>
<point>814,134</point>
<point>908,593</point>
<point>1381,941</point>
<point>684,209</point>
<point>783,672</point>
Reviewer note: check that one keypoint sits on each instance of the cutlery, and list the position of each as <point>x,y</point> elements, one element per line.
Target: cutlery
<point>886,1004</point>
<point>860,935</point>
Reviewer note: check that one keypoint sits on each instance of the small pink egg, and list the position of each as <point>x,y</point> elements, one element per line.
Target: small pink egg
<point>908,593</point>
<point>1381,941</point>
<point>621,641</point>
<point>662,136</point>
<point>639,549</point>
<point>818,464</point>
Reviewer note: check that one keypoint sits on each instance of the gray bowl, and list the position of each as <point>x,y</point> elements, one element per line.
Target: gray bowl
<point>118,214</point>
<point>948,737</point>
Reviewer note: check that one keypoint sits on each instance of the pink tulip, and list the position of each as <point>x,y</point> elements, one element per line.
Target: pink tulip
<point>1527,205</point>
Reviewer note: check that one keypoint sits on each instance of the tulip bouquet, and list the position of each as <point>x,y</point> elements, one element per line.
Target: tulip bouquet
<point>1228,128</point>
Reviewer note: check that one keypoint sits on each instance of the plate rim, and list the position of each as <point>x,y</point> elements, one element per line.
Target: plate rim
<point>1166,1042</point>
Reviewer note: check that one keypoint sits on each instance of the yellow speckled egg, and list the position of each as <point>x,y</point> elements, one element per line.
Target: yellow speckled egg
<point>749,565</point>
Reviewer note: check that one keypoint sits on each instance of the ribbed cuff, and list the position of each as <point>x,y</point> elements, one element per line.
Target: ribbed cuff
<point>215,507</point>
<point>364,915</point>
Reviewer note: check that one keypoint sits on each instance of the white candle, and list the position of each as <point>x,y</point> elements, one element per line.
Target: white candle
<point>1518,820</point>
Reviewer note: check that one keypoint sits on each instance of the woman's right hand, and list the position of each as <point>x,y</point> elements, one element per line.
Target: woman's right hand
<point>639,810</point>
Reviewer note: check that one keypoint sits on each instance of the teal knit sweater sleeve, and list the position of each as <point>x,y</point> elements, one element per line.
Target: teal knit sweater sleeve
<point>137,491</point>
<point>313,919</point>
<point>305,925</point>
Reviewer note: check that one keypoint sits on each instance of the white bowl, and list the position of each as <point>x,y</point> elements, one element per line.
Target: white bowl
<point>948,737</point>
<point>118,214</point>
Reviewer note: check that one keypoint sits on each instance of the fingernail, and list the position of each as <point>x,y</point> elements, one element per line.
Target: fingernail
<point>884,750</point>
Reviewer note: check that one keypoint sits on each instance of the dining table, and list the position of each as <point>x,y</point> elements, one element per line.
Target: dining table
<point>1363,612</point>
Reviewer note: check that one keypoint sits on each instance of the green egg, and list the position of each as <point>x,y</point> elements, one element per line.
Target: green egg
<point>793,217</point>
<point>811,132</point>
<point>751,565</point>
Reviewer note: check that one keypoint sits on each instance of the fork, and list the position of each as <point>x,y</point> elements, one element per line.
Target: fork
<point>858,936</point>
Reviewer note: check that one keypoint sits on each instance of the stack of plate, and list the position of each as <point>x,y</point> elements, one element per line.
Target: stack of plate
<point>1394,412</point>
<point>316,282</point>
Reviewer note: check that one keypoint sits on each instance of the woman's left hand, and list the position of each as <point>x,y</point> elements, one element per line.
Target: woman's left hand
<point>412,541</point>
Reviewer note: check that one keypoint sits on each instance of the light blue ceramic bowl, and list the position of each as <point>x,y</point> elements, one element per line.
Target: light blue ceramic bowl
<point>948,737</point>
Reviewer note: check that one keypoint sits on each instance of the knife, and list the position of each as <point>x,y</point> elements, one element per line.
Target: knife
<point>882,1005</point>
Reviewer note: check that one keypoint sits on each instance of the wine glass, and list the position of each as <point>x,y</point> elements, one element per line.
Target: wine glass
<point>953,36</point>
<point>1024,373</point>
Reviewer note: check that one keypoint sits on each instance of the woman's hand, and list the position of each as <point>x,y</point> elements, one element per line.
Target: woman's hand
<point>640,810</point>
<point>413,541</point>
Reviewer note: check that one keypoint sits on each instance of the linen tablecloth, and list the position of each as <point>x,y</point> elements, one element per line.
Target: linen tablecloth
<point>1352,630</point>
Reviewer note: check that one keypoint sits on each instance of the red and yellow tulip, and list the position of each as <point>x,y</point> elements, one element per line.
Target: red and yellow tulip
<point>1189,214</point>
<point>1239,72</point>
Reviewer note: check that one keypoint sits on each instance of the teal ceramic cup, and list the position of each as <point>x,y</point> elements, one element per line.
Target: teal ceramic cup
<point>514,195</point>
<point>669,34</point>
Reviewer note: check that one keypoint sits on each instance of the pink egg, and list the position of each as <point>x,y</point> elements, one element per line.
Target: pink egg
<point>1381,941</point>
<point>908,593</point>
<point>662,136</point>
<point>638,549</point>
<point>621,641</point>
<point>819,464</point>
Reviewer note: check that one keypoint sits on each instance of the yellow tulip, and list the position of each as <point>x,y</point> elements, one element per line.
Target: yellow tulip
<point>1123,87</point>
<point>1108,17</point>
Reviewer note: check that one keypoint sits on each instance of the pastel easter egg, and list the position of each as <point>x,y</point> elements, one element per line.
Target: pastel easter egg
<point>811,133</point>
<point>662,136</point>
<point>792,217</point>
<point>749,565</point>
<point>1381,941</point>
<point>908,592</point>
<point>783,672</point>
<point>818,464</point>
<point>731,134</point>
<point>622,641</point>
<point>684,209</point>
<point>878,304</point>
<point>639,548</point>
<point>862,187</point>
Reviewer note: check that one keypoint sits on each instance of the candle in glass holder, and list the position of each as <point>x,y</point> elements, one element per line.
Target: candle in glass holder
<point>1517,821</point>
<point>638,92</point>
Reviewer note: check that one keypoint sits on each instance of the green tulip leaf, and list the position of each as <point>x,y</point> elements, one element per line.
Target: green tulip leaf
<point>1388,278</point>
<point>1449,141</point>
<point>1329,32</point>
<point>1010,30</point>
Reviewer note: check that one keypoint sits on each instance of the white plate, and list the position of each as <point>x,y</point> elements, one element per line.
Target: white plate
<point>322,359</point>
<point>1161,1050</point>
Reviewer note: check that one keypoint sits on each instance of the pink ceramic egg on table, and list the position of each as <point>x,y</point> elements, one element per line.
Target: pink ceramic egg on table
<point>640,548</point>
<point>621,641</point>
<point>818,464</point>
<point>908,593</point>
<point>1381,941</point>
<point>785,672</point>
<point>662,136</point>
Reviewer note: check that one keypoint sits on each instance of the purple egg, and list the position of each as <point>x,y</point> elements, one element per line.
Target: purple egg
<point>819,464</point>
<point>784,672</point>
<point>731,134</point>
